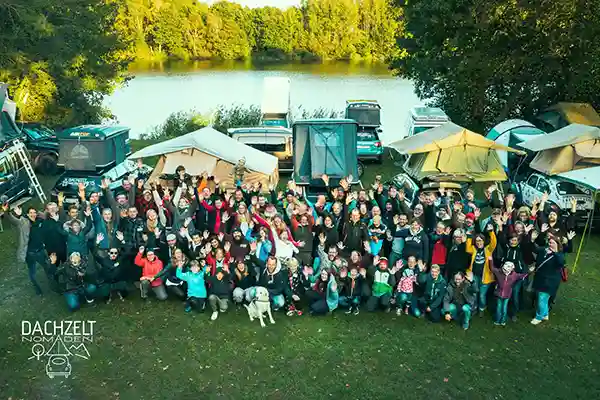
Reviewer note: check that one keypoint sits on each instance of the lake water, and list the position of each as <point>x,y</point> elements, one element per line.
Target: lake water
<point>156,92</point>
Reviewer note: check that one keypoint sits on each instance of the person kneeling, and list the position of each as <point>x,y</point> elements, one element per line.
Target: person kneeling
<point>323,297</point>
<point>350,293</point>
<point>196,289</point>
<point>434,290</point>
<point>220,290</point>
<point>382,288</point>
<point>459,300</point>
<point>75,276</point>
<point>151,266</point>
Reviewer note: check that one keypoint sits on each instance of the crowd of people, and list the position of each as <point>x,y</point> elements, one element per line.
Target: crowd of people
<point>436,256</point>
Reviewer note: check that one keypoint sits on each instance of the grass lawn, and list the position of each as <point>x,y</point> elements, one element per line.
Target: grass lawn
<point>155,351</point>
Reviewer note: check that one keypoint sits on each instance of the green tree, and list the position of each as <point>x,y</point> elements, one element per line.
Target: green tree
<point>61,58</point>
<point>484,62</point>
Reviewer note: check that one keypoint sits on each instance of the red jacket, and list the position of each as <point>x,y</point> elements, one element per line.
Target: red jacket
<point>212,262</point>
<point>149,268</point>
<point>505,283</point>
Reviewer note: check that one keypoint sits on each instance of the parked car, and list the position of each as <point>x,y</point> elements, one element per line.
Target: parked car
<point>368,145</point>
<point>276,141</point>
<point>421,119</point>
<point>560,192</point>
<point>412,189</point>
<point>367,114</point>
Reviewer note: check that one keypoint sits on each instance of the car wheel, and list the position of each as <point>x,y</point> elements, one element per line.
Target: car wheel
<point>47,165</point>
<point>361,169</point>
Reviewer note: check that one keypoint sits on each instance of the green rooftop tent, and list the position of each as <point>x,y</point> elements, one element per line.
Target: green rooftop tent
<point>324,146</point>
<point>512,133</point>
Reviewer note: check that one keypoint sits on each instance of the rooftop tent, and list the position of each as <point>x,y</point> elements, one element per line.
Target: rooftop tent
<point>511,133</point>
<point>276,95</point>
<point>365,112</point>
<point>93,147</point>
<point>572,147</point>
<point>562,114</point>
<point>208,150</point>
<point>324,146</point>
<point>8,128</point>
<point>588,177</point>
<point>451,151</point>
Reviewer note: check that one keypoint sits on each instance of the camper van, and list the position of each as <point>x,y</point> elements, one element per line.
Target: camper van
<point>367,113</point>
<point>421,119</point>
<point>90,153</point>
<point>273,140</point>
<point>276,103</point>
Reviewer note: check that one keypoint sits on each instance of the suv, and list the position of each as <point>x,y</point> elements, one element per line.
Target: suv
<point>412,189</point>
<point>273,140</point>
<point>368,145</point>
<point>560,192</point>
<point>367,113</point>
<point>43,147</point>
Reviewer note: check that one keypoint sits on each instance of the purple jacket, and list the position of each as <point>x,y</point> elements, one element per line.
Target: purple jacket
<point>505,283</point>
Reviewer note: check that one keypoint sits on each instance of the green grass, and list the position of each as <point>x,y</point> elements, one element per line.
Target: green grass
<point>156,351</point>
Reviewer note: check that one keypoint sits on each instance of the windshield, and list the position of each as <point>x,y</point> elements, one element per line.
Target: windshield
<point>569,188</point>
<point>364,116</point>
<point>366,136</point>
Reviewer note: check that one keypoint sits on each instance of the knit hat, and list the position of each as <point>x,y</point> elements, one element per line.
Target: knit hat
<point>470,216</point>
<point>171,237</point>
<point>383,261</point>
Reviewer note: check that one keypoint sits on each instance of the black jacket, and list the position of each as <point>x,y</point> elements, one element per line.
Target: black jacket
<point>220,288</point>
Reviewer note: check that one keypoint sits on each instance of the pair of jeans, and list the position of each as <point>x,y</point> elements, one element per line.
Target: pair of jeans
<point>543,306</point>
<point>39,257</point>
<point>195,303</point>
<point>376,302</point>
<point>403,300</point>
<point>516,297</point>
<point>464,312</point>
<point>482,289</point>
<point>159,291</point>
<point>501,310</point>
<point>73,297</point>
<point>277,301</point>
<point>349,301</point>
<point>217,303</point>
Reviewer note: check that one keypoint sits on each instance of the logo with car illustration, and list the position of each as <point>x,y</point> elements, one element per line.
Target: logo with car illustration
<point>58,343</point>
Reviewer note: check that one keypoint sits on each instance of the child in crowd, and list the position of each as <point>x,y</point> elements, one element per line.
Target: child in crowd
<point>405,288</point>
<point>505,280</point>
<point>196,288</point>
<point>220,290</point>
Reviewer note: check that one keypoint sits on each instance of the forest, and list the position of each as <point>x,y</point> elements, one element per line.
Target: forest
<point>317,30</point>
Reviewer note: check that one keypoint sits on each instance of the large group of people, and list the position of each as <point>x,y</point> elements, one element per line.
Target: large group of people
<point>429,254</point>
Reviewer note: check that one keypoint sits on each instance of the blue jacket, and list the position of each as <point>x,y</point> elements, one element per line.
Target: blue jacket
<point>195,282</point>
<point>332,295</point>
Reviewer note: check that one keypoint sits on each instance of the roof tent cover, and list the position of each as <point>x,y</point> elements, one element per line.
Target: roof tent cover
<point>453,152</point>
<point>208,150</point>
<point>577,113</point>
<point>512,132</point>
<point>89,147</point>
<point>276,95</point>
<point>323,146</point>
<point>588,177</point>
<point>570,148</point>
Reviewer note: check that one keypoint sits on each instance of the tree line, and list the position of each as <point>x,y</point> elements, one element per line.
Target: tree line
<point>317,29</point>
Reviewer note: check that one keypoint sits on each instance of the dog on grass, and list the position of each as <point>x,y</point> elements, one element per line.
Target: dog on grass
<point>259,304</point>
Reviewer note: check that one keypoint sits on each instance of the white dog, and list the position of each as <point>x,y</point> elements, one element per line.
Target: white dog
<point>259,304</point>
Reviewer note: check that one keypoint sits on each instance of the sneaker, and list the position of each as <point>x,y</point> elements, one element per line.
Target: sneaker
<point>546,318</point>
<point>480,313</point>
<point>89,301</point>
<point>503,324</point>
<point>348,311</point>
<point>536,321</point>
<point>120,296</point>
<point>465,326</point>
<point>356,310</point>
<point>290,312</point>
<point>497,323</point>
<point>299,312</point>
<point>214,315</point>
<point>398,311</point>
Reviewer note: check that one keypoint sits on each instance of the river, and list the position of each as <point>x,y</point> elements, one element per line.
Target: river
<point>157,91</point>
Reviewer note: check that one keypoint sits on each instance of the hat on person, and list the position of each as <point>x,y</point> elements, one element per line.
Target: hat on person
<point>147,191</point>
<point>171,237</point>
<point>237,229</point>
<point>383,261</point>
<point>470,216</point>
<point>290,193</point>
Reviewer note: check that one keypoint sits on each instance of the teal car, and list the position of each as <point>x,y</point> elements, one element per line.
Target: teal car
<point>367,113</point>
<point>368,145</point>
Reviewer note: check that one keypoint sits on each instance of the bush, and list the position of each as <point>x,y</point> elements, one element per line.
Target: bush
<point>177,124</point>
<point>235,116</point>
<point>318,113</point>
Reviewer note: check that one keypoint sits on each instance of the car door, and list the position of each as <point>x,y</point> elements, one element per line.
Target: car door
<point>543,186</point>
<point>529,189</point>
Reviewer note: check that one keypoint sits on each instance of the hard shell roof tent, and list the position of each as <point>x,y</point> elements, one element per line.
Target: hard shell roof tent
<point>276,102</point>
<point>367,113</point>
<point>324,146</point>
<point>93,147</point>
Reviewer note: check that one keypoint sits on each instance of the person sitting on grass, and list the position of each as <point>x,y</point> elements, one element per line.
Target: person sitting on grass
<point>296,285</point>
<point>111,274</point>
<point>174,285</point>
<point>434,290</point>
<point>459,299</point>
<point>151,266</point>
<point>76,281</point>
<point>196,287</point>
<point>244,279</point>
<point>273,279</point>
<point>506,278</point>
<point>323,297</point>
<point>220,290</point>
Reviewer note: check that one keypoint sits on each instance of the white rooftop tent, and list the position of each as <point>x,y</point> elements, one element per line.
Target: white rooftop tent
<point>208,150</point>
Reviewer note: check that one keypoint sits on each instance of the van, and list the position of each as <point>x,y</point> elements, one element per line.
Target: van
<point>422,118</point>
<point>274,140</point>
